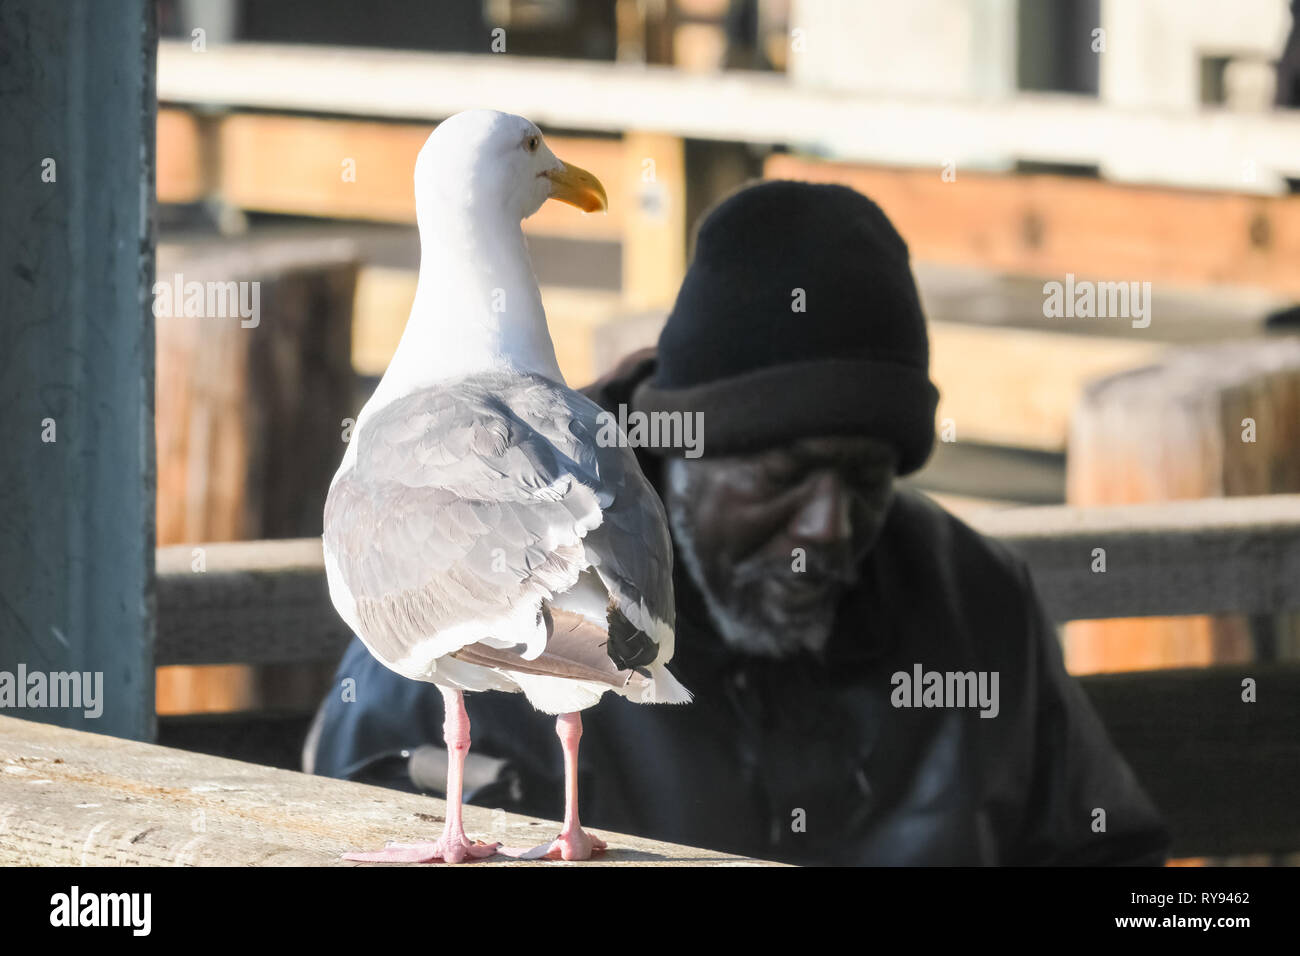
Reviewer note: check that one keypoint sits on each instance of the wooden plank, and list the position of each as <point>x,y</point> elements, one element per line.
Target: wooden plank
<point>970,295</point>
<point>654,224</point>
<point>344,169</point>
<point>1182,557</point>
<point>1053,225</point>
<point>1017,387</point>
<point>1223,772</point>
<point>217,690</point>
<point>69,798</point>
<point>251,411</point>
<point>257,602</point>
<point>355,169</point>
<point>181,157</point>
<point>76,340</point>
<point>1203,148</point>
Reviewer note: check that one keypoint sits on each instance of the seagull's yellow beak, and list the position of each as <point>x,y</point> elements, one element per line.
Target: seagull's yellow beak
<point>577,187</point>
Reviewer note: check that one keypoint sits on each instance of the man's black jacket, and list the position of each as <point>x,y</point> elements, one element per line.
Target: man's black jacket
<point>805,760</point>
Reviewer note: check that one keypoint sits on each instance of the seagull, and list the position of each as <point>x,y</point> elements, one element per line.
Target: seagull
<point>479,534</point>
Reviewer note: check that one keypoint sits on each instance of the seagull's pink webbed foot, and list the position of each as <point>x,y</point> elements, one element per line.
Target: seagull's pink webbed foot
<point>575,844</point>
<point>447,849</point>
<point>453,846</point>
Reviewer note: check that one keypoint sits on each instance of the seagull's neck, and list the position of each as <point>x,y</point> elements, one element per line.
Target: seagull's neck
<point>477,307</point>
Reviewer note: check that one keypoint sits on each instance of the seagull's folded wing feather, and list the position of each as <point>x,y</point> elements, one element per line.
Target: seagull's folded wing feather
<point>472,503</point>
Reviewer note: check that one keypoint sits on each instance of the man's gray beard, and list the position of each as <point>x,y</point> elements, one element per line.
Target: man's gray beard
<point>751,636</point>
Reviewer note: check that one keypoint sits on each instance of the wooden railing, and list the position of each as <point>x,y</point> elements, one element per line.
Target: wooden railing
<point>1193,148</point>
<point>1207,556</point>
<point>266,601</point>
<point>1223,771</point>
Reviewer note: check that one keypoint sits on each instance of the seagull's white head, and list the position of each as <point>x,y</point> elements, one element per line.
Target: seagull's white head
<point>490,163</point>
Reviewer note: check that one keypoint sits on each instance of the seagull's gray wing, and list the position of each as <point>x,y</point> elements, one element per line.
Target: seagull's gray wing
<point>467,507</point>
<point>631,549</point>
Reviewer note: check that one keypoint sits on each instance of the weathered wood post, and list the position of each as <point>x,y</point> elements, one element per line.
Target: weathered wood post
<point>252,413</point>
<point>1212,421</point>
<point>76,359</point>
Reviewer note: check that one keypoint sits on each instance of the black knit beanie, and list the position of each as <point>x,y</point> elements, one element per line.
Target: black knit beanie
<point>798,318</point>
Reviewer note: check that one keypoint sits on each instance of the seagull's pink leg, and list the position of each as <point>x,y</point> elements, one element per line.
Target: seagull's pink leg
<point>453,846</point>
<point>573,843</point>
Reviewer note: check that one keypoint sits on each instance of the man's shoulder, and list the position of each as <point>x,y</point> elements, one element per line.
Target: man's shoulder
<point>917,518</point>
<point>929,540</point>
<point>615,387</point>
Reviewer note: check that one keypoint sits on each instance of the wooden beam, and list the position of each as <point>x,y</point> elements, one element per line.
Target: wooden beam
<point>344,169</point>
<point>256,602</point>
<point>266,601</point>
<point>1017,387</point>
<point>182,150</point>
<point>654,225</point>
<point>1052,225</point>
<point>251,410</point>
<point>76,394</point>
<point>356,169</point>
<point>1209,555</point>
<point>1204,148</point>
<point>70,798</point>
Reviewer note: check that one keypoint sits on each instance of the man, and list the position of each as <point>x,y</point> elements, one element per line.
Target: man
<point>814,598</point>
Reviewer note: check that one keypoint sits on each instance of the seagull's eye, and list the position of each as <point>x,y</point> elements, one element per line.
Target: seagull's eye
<point>531,144</point>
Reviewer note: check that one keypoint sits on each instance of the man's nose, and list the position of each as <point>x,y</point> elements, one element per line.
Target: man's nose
<point>825,516</point>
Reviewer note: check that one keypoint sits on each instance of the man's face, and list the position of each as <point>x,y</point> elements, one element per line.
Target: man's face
<point>773,540</point>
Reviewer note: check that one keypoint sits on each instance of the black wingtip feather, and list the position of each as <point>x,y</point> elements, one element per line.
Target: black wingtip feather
<point>628,647</point>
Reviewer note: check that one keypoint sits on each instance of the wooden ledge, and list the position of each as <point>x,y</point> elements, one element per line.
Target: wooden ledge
<point>73,798</point>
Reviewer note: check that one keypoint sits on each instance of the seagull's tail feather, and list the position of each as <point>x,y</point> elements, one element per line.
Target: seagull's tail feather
<point>574,671</point>
<point>661,688</point>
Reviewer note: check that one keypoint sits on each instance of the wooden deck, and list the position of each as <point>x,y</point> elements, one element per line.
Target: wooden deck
<point>76,799</point>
